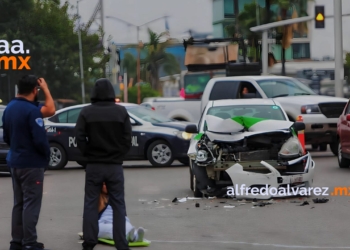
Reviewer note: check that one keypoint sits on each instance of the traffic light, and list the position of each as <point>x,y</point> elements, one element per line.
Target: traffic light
<point>319,17</point>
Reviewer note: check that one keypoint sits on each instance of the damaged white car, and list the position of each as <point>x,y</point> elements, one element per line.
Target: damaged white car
<point>247,145</point>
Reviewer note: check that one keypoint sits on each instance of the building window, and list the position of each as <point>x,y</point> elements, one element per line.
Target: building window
<point>229,8</point>
<point>301,50</point>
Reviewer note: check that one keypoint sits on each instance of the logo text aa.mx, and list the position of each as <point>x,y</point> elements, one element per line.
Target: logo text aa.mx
<point>12,57</point>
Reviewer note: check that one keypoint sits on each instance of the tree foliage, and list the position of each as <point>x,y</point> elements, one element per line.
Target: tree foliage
<point>155,58</point>
<point>146,91</point>
<point>46,28</point>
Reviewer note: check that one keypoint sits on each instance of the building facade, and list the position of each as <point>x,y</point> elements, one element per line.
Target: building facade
<point>316,44</point>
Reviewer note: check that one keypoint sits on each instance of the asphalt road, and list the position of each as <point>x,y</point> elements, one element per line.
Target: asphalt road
<point>149,192</point>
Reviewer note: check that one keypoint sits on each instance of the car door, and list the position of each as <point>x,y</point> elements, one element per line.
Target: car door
<point>135,151</point>
<point>344,128</point>
<point>72,118</point>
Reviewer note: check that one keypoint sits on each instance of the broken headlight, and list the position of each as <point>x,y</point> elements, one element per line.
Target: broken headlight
<point>291,149</point>
<point>202,156</point>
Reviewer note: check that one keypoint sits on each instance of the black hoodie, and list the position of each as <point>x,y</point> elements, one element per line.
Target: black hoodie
<point>103,129</point>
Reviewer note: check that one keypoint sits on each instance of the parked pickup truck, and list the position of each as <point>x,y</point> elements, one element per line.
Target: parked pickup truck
<point>319,113</point>
<point>176,108</point>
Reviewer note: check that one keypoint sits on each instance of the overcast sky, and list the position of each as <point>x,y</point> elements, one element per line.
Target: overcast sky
<point>184,15</point>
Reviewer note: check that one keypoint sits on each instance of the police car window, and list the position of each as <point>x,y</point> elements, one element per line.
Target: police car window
<point>1,113</point>
<point>73,115</point>
<point>62,117</point>
<point>258,111</point>
<point>148,115</point>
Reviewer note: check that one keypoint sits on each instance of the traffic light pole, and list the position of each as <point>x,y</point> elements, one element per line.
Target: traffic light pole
<point>338,49</point>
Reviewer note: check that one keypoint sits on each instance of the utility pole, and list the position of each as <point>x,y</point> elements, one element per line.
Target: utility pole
<point>102,21</point>
<point>138,66</point>
<point>125,87</point>
<point>139,45</point>
<point>338,47</point>
<point>81,57</point>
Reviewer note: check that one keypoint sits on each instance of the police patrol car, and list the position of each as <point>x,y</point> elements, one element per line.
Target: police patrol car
<point>154,137</point>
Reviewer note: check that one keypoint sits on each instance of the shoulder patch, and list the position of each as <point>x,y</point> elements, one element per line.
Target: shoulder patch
<point>39,121</point>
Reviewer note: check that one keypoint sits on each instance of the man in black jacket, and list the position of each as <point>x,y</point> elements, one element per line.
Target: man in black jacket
<point>103,133</point>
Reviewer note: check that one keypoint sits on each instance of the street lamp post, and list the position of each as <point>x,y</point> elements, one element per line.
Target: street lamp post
<point>81,56</point>
<point>139,45</point>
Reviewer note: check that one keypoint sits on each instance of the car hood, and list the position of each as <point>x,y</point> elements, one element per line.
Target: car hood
<point>176,125</point>
<point>240,127</point>
<point>309,99</point>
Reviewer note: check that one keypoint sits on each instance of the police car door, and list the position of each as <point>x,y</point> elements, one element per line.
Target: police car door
<point>72,118</point>
<point>135,151</point>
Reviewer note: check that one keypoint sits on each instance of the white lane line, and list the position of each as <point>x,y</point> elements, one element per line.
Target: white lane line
<point>253,244</point>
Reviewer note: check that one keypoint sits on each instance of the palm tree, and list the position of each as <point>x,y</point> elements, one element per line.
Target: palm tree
<point>129,65</point>
<point>288,9</point>
<point>157,57</point>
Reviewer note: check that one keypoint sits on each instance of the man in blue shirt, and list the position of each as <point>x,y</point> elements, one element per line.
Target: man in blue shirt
<point>29,155</point>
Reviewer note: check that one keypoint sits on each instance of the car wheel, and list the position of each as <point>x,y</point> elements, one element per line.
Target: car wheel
<point>191,178</point>
<point>334,148</point>
<point>159,153</point>
<point>81,163</point>
<point>196,192</point>
<point>184,161</point>
<point>323,147</point>
<point>343,162</point>
<point>58,157</point>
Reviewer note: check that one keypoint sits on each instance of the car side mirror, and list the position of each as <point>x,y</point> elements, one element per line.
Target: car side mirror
<point>348,117</point>
<point>191,129</point>
<point>299,126</point>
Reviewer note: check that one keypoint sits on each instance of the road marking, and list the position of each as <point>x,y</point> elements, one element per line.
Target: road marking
<point>249,243</point>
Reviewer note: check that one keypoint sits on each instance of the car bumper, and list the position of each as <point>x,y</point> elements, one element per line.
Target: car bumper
<point>3,163</point>
<point>242,181</point>
<point>320,129</point>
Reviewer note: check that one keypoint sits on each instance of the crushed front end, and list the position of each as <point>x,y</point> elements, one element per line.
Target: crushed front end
<point>253,159</point>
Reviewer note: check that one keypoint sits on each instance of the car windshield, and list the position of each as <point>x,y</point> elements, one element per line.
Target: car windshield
<point>259,111</point>
<point>284,87</point>
<point>148,115</point>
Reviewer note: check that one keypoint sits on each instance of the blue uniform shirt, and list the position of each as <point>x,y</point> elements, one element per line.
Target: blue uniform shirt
<point>25,133</point>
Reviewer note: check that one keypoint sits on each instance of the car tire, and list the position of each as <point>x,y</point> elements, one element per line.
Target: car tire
<point>191,178</point>
<point>196,192</point>
<point>160,154</point>
<point>58,157</point>
<point>323,147</point>
<point>334,148</point>
<point>343,162</point>
<point>184,161</point>
<point>81,163</point>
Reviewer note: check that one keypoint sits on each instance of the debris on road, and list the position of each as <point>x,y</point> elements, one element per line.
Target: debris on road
<point>318,200</point>
<point>174,200</point>
<point>193,198</point>
<point>305,203</point>
<point>229,206</point>
<point>182,200</point>
<point>197,205</point>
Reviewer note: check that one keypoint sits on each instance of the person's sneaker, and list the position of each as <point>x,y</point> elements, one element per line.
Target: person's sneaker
<point>36,246</point>
<point>140,233</point>
<point>131,235</point>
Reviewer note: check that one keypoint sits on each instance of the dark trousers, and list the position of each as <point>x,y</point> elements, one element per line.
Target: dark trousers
<point>113,176</point>
<point>28,193</point>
